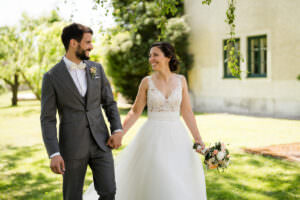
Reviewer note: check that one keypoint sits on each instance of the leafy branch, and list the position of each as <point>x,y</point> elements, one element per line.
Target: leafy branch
<point>169,7</point>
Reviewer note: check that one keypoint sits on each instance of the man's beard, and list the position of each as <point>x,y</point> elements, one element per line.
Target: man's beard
<point>80,53</point>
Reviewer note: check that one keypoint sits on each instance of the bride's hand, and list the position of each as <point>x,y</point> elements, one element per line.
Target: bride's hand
<point>115,140</point>
<point>202,147</point>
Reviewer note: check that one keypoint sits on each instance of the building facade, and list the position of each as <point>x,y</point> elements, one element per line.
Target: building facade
<point>268,38</point>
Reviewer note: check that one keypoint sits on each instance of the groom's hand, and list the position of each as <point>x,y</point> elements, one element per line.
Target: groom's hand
<point>115,140</point>
<point>57,165</point>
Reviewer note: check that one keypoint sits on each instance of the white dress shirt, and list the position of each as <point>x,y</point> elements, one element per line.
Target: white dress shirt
<point>79,78</point>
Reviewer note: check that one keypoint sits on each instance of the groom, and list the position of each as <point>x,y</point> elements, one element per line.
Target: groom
<point>77,89</point>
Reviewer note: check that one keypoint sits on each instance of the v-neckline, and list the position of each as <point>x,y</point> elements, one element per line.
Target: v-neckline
<point>160,92</point>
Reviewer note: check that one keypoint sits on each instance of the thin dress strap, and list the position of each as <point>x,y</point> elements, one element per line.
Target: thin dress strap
<point>180,81</point>
<point>150,82</point>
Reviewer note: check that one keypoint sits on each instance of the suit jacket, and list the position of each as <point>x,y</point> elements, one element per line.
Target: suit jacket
<point>76,116</point>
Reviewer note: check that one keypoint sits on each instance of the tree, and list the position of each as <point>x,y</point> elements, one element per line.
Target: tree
<point>127,45</point>
<point>14,54</point>
<point>169,8</point>
<point>47,49</point>
<point>140,23</point>
<point>28,52</point>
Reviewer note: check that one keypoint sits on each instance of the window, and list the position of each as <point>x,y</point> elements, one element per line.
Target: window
<point>257,56</point>
<point>227,72</point>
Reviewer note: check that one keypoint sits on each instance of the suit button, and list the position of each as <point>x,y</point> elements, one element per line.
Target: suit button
<point>86,110</point>
<point>87,126</point>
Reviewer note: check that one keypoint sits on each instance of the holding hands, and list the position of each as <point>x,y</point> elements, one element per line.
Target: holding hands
<point>115,140</point>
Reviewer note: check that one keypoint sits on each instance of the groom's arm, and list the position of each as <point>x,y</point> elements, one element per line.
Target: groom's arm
<point>109,104</point>
<point>48,116</point>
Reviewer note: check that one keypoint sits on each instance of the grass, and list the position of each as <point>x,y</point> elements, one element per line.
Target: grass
<point>25,173</point>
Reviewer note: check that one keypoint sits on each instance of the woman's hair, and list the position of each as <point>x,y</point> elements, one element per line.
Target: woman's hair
<point>168,51</point>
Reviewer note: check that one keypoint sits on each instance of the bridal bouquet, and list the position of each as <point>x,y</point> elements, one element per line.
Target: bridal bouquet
<point>216,156</point>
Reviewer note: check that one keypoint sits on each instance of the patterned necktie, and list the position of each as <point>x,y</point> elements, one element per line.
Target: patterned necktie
<point>78,66</point>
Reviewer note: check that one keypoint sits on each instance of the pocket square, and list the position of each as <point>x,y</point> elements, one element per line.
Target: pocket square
<point>97,76</point>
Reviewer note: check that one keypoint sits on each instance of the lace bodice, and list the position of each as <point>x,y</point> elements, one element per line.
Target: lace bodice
<point>157,102</point>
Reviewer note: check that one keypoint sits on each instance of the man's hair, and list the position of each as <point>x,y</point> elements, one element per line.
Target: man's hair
<point>74,31</point>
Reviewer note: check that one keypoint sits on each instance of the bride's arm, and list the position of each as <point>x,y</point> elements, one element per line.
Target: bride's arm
<point>188,115</point>
<point>138,106</point>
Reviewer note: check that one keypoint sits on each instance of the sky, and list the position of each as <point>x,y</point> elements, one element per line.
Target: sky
<point>11,11</point>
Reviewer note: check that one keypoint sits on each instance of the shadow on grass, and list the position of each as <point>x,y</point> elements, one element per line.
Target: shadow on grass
<point>26,175</point>
<point>254,177</point>
<point>12,155</point>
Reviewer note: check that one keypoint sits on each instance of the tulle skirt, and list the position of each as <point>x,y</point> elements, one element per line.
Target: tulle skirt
<point>158,164</point>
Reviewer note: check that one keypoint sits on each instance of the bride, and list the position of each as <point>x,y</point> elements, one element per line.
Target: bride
<point>159,164</point>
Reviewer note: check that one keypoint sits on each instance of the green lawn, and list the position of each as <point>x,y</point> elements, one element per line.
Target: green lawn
<point>25,173</point>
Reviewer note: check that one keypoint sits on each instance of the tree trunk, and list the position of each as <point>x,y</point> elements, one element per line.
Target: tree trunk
<point>14,89</point>
<point>34,91</point>
<point>14,86</point>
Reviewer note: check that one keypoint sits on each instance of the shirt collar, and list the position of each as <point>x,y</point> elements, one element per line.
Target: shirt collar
<point>68,62</point>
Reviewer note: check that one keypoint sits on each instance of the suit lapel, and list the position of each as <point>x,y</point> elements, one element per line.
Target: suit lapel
<point>65,77</point>
<point>88,79</point>
<point>92,86</point>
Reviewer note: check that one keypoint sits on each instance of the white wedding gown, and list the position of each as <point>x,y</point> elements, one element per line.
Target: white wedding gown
<point>159,163</point>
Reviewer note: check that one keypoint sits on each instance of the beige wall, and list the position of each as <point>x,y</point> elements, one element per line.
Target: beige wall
<point>276,95</point>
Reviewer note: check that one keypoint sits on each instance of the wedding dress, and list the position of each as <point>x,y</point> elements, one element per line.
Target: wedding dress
<point>159,163</point>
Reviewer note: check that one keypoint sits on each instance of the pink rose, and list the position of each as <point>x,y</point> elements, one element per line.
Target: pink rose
<point>215,152</point>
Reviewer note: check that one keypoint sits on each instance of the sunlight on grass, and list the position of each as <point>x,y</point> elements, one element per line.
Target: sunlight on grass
<point>25,172</point>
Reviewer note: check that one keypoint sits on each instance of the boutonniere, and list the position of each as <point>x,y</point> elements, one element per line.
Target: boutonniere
<point>93,71</point>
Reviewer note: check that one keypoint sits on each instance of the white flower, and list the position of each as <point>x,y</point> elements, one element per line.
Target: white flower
<point>125,46</point>
<point>221,155</point>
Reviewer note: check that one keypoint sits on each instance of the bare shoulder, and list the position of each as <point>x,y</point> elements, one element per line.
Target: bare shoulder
<point>182,78</point>
<point>144,82</point>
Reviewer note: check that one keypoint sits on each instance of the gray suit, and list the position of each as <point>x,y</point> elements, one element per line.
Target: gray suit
<point>82,130</point>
